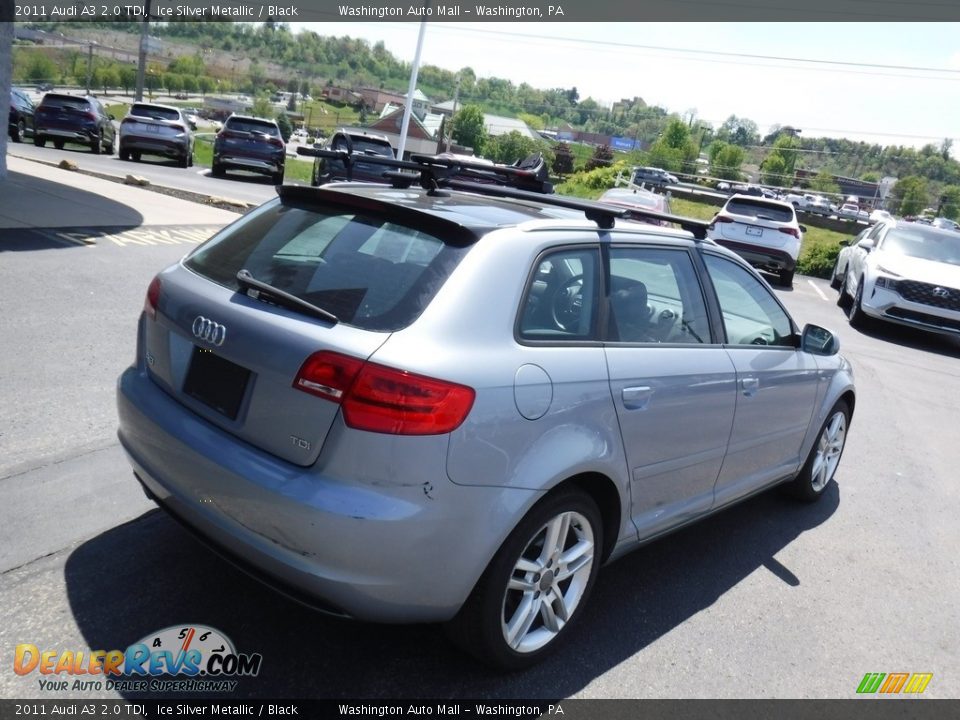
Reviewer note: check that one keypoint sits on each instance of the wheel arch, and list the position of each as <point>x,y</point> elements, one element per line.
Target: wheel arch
<point>603,491</point>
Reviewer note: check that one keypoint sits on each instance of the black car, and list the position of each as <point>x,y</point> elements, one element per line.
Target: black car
<point>75,119</point>
<point>327,170</point>
<point>249,143</point>
<point>21,115</point>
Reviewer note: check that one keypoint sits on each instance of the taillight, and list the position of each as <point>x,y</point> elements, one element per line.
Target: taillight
<point>276,142</point>
<point>178,128</point>
<point>382,399</point>
<point>791,231</point>
<point>153,297</point>
<point>127,120</point>
<point>91,116</point>
<point>723,219</point>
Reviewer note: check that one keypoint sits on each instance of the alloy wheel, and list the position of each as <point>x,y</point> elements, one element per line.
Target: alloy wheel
<point>829,449</point>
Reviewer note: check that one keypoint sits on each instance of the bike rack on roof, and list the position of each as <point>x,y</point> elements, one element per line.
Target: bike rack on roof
<point>525,180</point>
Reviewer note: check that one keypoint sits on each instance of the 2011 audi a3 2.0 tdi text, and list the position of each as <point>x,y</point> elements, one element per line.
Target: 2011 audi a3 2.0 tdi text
<point>451,400</point>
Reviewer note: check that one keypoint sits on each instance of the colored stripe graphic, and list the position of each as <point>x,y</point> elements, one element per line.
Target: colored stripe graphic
<point>871,682</point>
<point>918,682</point>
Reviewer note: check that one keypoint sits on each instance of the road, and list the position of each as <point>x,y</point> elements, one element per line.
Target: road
<point>236,186</point>
<point>769,599</point>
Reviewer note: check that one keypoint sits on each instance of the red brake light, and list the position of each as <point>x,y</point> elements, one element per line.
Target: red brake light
<point>153,297</point>
<point>381,399</point>
<point>791,231</point>
<point>179,128</point>
<point>276,141</point>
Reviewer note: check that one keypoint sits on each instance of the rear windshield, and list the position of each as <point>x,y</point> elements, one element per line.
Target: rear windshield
<point>760,210</point>
<point>252,126</point>
<point>152,111</point>
<point>64,101</point>
<point>363,145</point>
<point>369,272</point>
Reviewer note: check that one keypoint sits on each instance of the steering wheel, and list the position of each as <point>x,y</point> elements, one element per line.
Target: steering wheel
<point>566,306</point>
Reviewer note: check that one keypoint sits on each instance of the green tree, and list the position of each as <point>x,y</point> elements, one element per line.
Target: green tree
<point>739,131</point>
<point>823,182</point>
<point>950,202</point>
<point>674,149</point>
<point>725,160</point>
<point>262,107</point>
<point>207,84</point>
<point>106,78</point>
<point>909,196</point>
<point>511,147</point>
<point>779,167</point>
<point>774,171</point>
<point>286,129</point>
<point>602,158</point>
<point>40,68</point>
<point>469,128</point>
<point>128,78</point>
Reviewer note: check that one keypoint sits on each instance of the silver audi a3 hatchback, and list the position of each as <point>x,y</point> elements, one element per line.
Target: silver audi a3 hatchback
<point>455,404</point>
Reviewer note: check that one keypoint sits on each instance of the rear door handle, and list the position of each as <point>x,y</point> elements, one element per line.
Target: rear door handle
<point>750,386</point>
<point>636,398</point>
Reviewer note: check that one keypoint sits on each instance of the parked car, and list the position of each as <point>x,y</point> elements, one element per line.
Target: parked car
<point>249,143</point>
<point>150,129</point>
<point>413,405</point>
<point>851,211</point>
<point>946,223</point>
<point>638,198</point>
<point>901,272</point>
<point>21,115</point>
<point>763,232</point>
<point>819,205</point>
<point>881,216</point>
<point>75,119</point>
<point>326,170</point>
<point>655,177</point>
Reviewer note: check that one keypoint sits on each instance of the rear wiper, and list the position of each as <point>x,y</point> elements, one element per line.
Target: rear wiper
<point>268,293</point>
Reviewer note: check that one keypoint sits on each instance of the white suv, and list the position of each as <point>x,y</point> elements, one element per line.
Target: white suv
<point>763,232</point>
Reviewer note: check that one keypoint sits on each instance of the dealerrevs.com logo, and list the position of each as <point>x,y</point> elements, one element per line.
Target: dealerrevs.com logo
<point>180,658</point>
<point>894,683</point>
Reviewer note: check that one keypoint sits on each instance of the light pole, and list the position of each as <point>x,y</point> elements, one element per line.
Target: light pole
<point>411,88</point>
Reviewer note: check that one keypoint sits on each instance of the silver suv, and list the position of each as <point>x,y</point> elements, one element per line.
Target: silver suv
<point>455,404</point>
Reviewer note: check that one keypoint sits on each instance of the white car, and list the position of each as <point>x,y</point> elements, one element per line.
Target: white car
<point>881,216</point>
<point>852,211</point>
<point>763,232</point>
<point>906,273</point>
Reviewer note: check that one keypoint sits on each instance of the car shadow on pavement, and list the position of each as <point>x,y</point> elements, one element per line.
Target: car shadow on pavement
<point>150,574</point>
<point>33,202</point>
<point>241,176</point>
<point>913,338</point>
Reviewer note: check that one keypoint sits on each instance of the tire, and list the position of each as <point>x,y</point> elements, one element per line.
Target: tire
<point>855,314</point>
<point>97,144</point>
<point>184,161</point>
<point>824,456</point>
<point>190,159</point>
<point>135,155</point>
<point>20,133</point>
<point>514,617</point>
<point>217,170</point>
<point>277,178</point>
<point>39,141</point>
<point>786,278</point>
<point>58,144</point>
<point>109,148</point>
<point>124,154</point>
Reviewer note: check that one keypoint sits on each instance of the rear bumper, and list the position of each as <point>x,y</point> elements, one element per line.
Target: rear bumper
<point>379,549</point>
<point>153,146</point>
<point>71,134</point>
<point>759,255</point>
<point>253,163</point>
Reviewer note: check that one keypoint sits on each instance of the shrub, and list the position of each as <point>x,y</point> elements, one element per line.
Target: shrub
<point>818,261</point>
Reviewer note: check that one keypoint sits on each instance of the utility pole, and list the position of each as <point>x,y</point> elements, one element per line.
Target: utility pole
<point>89,66</point>
<point>142,58</point>
<point>414,70</point>
<point>456,96</point>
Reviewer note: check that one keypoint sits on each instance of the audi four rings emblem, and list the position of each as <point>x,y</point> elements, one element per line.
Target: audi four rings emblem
<point>941,292</point>
<point>206,329</point>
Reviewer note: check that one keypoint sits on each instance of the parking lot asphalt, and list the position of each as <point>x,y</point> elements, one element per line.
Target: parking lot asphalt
<point>768,599</point>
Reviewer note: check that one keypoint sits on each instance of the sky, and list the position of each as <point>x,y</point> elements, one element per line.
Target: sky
<point>889,83</point>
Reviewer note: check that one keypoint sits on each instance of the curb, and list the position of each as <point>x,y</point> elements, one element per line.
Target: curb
<point>223,203</point>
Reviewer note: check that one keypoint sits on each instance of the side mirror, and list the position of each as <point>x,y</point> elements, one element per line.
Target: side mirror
<point>111,116</point>
<point>819,341</point>
<point>803,228</point>
<point>865,244</point>
<point>844,243</point>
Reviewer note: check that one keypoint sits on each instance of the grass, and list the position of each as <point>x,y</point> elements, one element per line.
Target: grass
<point>294,171</point>
<point>327,116</point>
<point>118,110</point>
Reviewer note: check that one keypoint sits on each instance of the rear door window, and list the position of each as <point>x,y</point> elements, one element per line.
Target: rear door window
<point>369,272</point>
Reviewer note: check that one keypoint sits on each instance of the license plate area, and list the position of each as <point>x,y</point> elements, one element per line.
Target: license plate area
<point>755,231</point>
<point>217,383</point>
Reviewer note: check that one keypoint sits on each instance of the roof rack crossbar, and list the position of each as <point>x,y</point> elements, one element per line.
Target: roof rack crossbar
<point>520,182</point>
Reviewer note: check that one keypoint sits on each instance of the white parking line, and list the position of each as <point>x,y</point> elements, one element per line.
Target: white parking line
<point>819,291</point>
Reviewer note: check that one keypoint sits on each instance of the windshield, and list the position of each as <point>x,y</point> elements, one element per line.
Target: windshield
<point>928,244</point>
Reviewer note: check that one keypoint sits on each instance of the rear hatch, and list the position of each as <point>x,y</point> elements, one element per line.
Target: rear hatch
<point>251,138</point>
<point>65,111</point>
<point>757,221</point>
<point>235,359</point>
<point>361,171</point>
<point>152,122</point>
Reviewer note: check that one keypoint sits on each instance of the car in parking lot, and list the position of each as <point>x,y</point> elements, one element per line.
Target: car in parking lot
<point>638,198</point>
<point>946,223</point>
<point>764,232</point>
<point>355,144</point>
<point>76,119</point>
<point>444,401</point>
<point>150,129</point>
<point>252,144</point>
<point>852,211</point>
<point>901,272</point>
<point>655,177</point>
<point>20,122</point>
